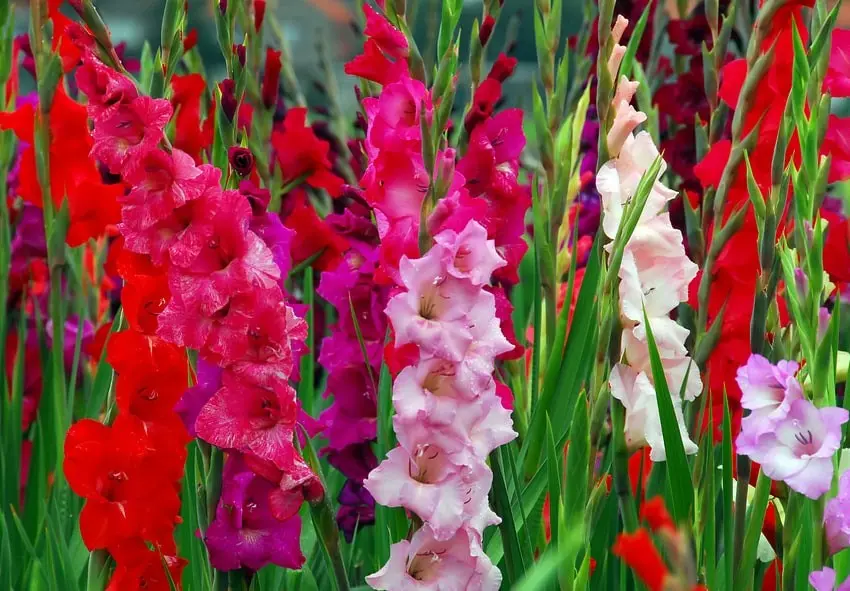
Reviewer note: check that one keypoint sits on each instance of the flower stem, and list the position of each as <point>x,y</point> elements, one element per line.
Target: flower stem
<point>741,489</point>
<point>621,467</point>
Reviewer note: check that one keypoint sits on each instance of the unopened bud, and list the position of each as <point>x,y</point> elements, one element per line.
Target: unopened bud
<point>241,160</point>
<point>228,98</point>
<point>239,52</point>
<point>259,14</point>
<point>486,30</point>
<point>271,78</point>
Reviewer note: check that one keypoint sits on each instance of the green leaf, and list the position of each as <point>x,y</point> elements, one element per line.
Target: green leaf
<point>678,471</point>
<point>578,464</point>
<point>514,563</point>
<point>755,519</point>
<point>565,372</point>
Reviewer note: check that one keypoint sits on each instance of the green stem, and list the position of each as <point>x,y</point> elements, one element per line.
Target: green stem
<point>741,490</point>
<point>621,467</point>
<point>328,533</point>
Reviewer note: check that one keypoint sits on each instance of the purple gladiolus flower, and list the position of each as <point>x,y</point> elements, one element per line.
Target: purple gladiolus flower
<point>836,517</point>
<point>798,448</point>
<point>244,532</point>
<point>194,399</point>
<point>356,508</point>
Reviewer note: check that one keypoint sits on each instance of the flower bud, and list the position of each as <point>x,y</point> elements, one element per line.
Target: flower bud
<point>444,171</point>
<point>190,40</point>
<point>239,52</point>
<point>222,7</point>
<point>241,160</point>
<point>271,78</point>
<point>486,30</point>
<point>259,14</point>
<point>228,98</point>
<point>503,68</point>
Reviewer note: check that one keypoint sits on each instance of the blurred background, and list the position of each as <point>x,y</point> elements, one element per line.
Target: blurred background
<point>306,23</point>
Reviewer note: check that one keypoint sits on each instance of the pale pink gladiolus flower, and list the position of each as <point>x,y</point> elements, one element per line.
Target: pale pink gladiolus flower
<point>643,422</point>
<point>424,563</point>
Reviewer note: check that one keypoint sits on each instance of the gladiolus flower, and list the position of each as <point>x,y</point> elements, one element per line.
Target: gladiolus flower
<point>836,517</point>
<point>458,562</point>
<point>824,580</point>
<point>640,554</point>
<point>798,449</point>
<point>302,155</point>
<point>244,532</point>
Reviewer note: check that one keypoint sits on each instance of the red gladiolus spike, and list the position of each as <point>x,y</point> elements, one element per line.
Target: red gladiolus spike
<point>655,514</point>
<point>640,554</point>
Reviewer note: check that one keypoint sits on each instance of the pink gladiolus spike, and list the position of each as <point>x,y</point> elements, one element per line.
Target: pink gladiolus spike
<point>133,129</point>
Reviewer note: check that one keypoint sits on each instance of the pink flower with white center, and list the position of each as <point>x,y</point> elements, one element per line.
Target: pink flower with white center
<point>106,89</point>
<point>836,517</point>
<point>798,449</point>
<point>246,418</point>
<point>643,422</point>
<point>426,480</point>
<point>469,254</point>
<point>768,391</point>
<point>432,312</point>
<point>130,131</point>
<point>161,182</point>
<point>429,389</point>
<point>425,564</point>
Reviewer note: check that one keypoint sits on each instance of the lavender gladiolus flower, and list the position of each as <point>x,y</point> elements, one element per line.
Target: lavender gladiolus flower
<point>798,448</point>
<point>824,580</point>
<point>837,517</point>
<point>768,392</point>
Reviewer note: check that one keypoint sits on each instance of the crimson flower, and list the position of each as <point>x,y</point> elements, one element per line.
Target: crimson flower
<point>301,154</point>
<point>314,236</point>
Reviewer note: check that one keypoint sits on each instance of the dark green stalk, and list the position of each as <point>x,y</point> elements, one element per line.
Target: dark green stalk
<point>621,467</point>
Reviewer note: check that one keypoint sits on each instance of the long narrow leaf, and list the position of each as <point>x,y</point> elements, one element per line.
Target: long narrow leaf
<point>678,471</point>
